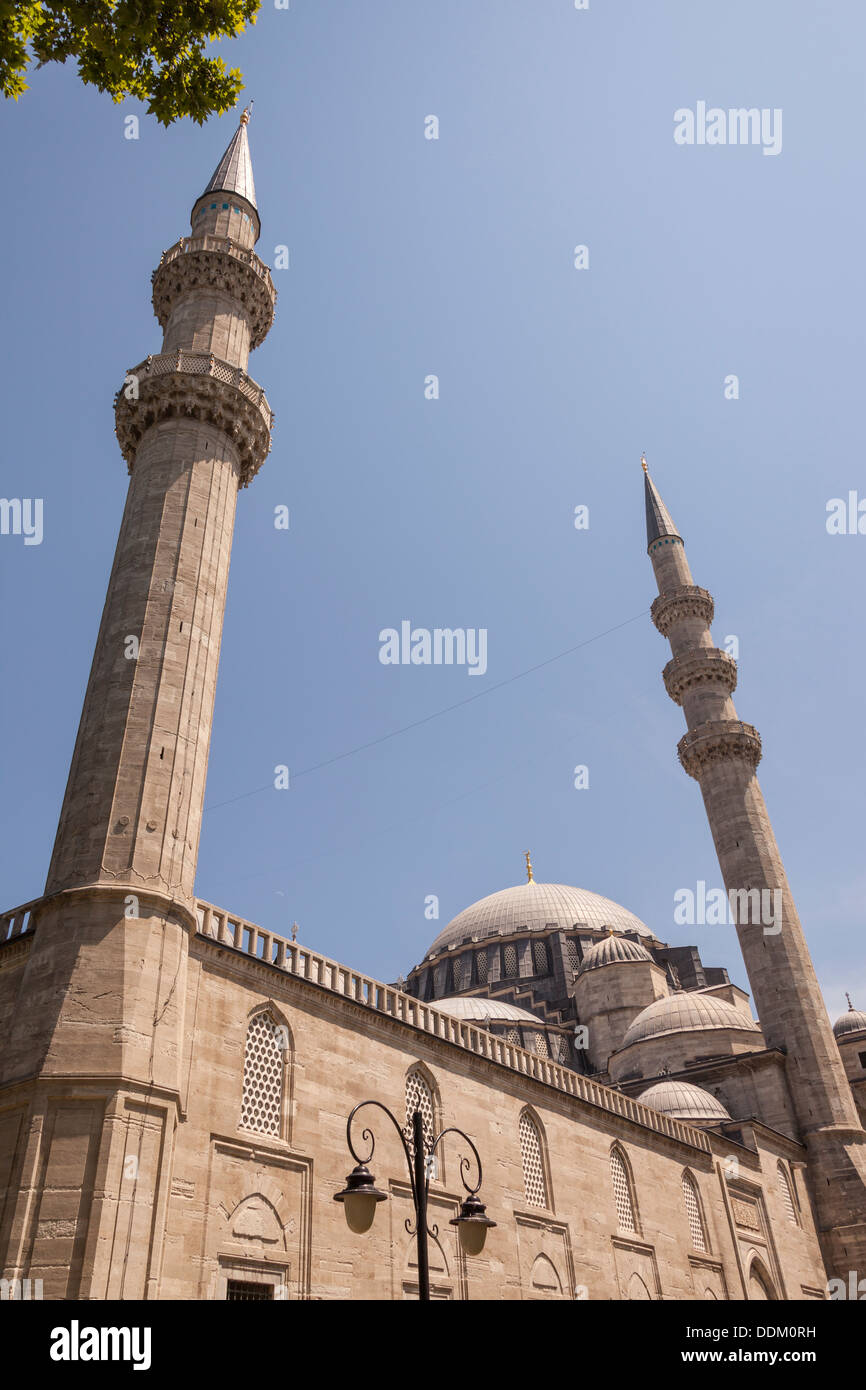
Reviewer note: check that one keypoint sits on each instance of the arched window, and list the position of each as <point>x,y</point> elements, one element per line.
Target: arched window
<point>264,1066</point>
<point>509,961</point>
<point>534,1182</point>
<point>481,966</point>
<point>693,1212</point>
<point>512,1035</point>
<point>461,971</point>
<point>419,1096</point>
<point>539,1044</point>
<point>539,957</point>
<point>622,1193</point>
<point>786,1194</point>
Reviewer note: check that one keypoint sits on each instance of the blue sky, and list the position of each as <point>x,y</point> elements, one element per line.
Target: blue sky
<point>455,257</point>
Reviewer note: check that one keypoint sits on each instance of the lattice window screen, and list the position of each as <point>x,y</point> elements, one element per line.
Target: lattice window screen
<point>539,955</point>
<point>622,1193</point>
<point>512,1036</point>
<point>573,957</point>
<point>509,961</point>
<point>693,1211</point>
<point>539,1044</point>
<point>787,1196</point>
<point>418,1097</point>
<point>481,967</point>
<point>558,1047</point>
<point>262,1095</point>
<point>461,968</point>
<point>533,1166</point>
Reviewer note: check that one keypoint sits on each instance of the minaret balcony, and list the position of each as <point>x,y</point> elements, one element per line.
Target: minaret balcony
<point>216,263</point>
<point>685,602</point>
<point>719,740</point>
<point>195,385</point>
<point>701,666</point>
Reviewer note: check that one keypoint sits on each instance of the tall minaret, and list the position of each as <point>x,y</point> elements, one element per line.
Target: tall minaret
<point>722,753</point>
<point>97,1047</point>
<point>193,428</point>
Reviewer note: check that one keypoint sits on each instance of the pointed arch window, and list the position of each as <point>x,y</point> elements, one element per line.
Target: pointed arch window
<point>622,1192</point>
<point>534,1181</point>
<point>786,1193</point>
<point>693,1212</point>
<point>264,1067</point>
<point>419,1096</point>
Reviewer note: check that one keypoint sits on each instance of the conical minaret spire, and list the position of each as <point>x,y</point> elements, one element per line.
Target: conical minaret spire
<point>722,754</point>
<point>234,173</point>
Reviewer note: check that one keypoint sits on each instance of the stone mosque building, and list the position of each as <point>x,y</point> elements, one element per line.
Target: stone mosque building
<point>175,1081</point>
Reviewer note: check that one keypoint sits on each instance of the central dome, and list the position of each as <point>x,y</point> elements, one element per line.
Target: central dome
<point>535,907</point>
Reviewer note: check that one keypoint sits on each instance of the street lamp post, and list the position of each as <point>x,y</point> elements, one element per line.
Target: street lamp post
<point>360,1196</point>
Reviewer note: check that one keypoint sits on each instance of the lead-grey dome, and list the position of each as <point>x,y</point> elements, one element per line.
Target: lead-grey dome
<point>611,951</point>
<point>854,1021</point>
<point>474,1008</point>
<point>534,907</point>
<point>686,1013</point>
<point>683,1101</point>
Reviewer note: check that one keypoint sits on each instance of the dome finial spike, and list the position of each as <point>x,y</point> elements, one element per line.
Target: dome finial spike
<point>848,997</point>
<point>529,878</point>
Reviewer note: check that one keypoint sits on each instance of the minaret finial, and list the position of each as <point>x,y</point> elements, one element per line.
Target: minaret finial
<point>643,462</point>
<point>246,113</point>
<point>529,878</point>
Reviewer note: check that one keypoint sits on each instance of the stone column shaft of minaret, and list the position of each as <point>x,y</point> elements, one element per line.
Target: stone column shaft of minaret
<point>132,812</point>
<point>722,753</point>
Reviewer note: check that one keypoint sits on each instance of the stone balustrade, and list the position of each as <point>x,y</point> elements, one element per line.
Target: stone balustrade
<point>717,740</point>
<point>17,922</point>
<point>217,243</point>
<point>187,385</point>
<point>302,963</point>
<point>216,263</point>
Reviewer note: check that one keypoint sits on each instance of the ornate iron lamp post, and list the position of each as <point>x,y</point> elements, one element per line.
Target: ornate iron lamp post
<point>360,1196</point>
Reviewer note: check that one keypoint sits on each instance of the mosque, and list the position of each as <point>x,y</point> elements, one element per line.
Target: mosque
<point>175,1080</point>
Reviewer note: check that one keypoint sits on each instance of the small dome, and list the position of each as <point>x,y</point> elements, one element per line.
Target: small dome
<point>683,1101</point>
<point>685,1013</point>
<point>533,907</point>
<point>854,1021</point>
<point>476,1009</point>
<point>612,950</point>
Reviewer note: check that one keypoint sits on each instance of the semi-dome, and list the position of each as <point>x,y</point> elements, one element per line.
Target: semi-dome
<point>685,1013</point>
<point>611,951</point>
<point>683,1101</point>
<point>854,1021</point>
<point>474,1008</point>
<point>535,907</point>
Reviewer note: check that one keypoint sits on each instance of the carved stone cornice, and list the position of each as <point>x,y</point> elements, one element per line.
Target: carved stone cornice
<point>216,263</point>
<point>700,666</point>
<point>687,601</point>
<point>195,385</point>
<point>717,741</point>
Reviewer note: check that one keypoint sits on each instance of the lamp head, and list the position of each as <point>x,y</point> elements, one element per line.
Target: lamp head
<point>472,1225</point>
<point>359,1198</point>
